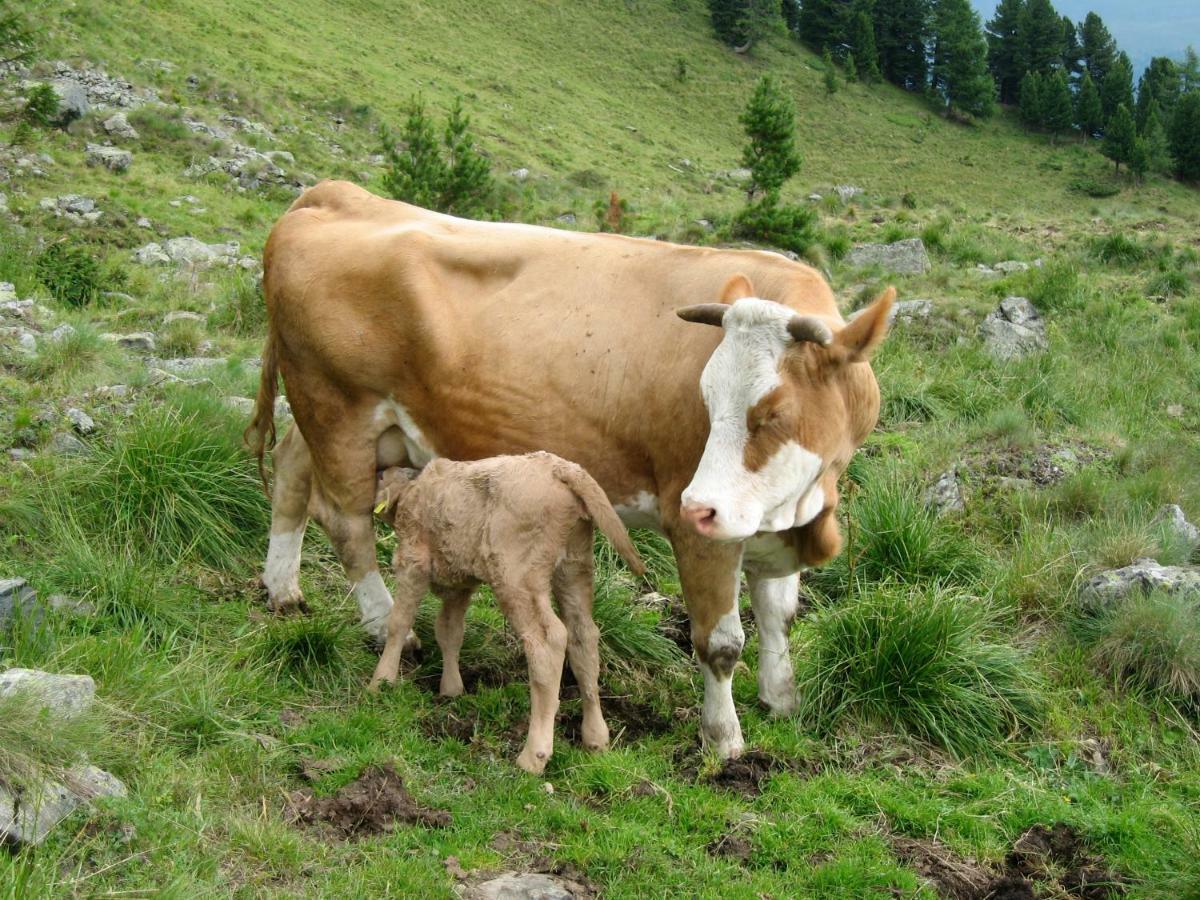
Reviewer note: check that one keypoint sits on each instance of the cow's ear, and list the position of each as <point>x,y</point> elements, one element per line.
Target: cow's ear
<point>736,288</point>
<point>866,330</point>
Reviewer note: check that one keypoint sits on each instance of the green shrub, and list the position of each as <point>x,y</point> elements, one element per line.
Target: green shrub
<point>1119,249</point>
<point>70,272</point>
<point>919,661</point>
<point>41,106</point>
<point>1169,284</point>
<point>1149,643</point>
<point>1098,188</point>
<point>243,311</point>
<point>837,243</point>
<point>786,226</point>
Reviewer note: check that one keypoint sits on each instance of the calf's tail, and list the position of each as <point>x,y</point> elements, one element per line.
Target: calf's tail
<point>600,511</point>
<point>260,433</point>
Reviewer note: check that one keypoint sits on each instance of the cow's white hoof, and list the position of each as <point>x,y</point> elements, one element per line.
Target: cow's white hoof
<point>779,697</point>
<point>723,741</point>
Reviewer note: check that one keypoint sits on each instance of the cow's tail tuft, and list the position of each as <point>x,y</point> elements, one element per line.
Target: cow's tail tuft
<point>259,435</point>
<point>600,511</point>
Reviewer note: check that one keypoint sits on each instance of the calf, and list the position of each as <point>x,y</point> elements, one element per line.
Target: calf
<point>523,524</point>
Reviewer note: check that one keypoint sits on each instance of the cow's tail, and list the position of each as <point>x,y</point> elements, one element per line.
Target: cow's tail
<point>600,511</point>
<point>260,433</point>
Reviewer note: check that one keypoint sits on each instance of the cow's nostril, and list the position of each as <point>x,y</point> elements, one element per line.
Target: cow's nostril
<point>702,518</point>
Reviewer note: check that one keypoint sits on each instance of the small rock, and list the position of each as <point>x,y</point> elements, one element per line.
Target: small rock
<point>1091,751</point>
<point>8,292</point>
<point>31,816</point>
<point>137,341</point>
<point>847,192</point>
<point>65,330</point>
<point>528,886</point>
<point>112,392</point>
<point>519,174</point>
<point>186,364</point>
<point>143,222</point>
<point>65,695</point>
<point>118,126</point>
<point>907,257</point>
<point>1013,330</point>
<point>61,603</point>
<point>1107,589</point>
<point>22,339</point>
<point>80,421</point>
<point>182,315</point>
<point>1175,410</point>
<point>72,101</point>
<point>66,444</point>
<point>741,176</point>
<point>112,158</point>
<point>16,598</point>
<point>1172,520</point>
<point>945,495</point>
<point>19,454</point>
<point>566,218</point>
<point>1009,266</point>
<point>815,198</point>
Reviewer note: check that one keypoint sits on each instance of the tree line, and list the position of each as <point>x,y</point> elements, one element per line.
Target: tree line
<point>1062,76</point>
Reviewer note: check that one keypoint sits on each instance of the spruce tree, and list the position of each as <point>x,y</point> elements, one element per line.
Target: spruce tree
<point>1072,58</point>
<point>770,123</point>
<point>1089,115</point>
<point>1057,113</point>
<point>1184,136</point>
<point>415,170</point>
<point>468,185</point>
<point>1004,49</point>
<point>862,44</point>
<point>1099,48</point>
<point>1041,37</point>
<point>960,75</point>
<point>901,35</point>
<point>851,69</point>
<point>1139,159</point>
<point>1155,135</point>
<point>1119,137</point>
<point>1032,108</point>
<point>824,23</point>
<point>1159,84</point>
<point>831,84</point>
<point>1117,88</point>
<point>791,14</point>
<point>1189,71</point>
<point>740,23</point>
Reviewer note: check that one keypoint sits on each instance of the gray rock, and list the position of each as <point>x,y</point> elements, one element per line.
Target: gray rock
<point>64,695</point>
<point>80,421</point>
<point>280,156</point>
<point>188,364</point>
<point>815,198</point>
<point>182,315</point>
<point>66,444</point>
<point>137,341</point>
<point>112,158</point>
<point>3,203</point>
<point>8,292</point>
<point>528,886</point>
<point>245,406</point>
<point>20,339</point>
<point>741,176</point>
<point>72,207</point>
<point>1009,266</point>
<point>945,495</point>
<point>72,101</point>
<point>118,126</point>
<point>1110,588</point>
<point>904,311</point>
<point>847,192</point>
<point>16,598</point>
<point>1172,520</point>
<point>65,330</point>
<point>1013,330</point>
<point>19,454</point>
<point>32,812</point>
<point>1008,483</point>
<point>1175,410</point>
<point>69,606</point>
<point>520,174</point>
<point>190,253</point>
<point>566,218</point>
<point>907,257</point>
<point>150,255</point>
<point>143,222</point>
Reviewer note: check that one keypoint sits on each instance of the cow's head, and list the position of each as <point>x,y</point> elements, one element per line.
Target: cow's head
<point>789,399</point>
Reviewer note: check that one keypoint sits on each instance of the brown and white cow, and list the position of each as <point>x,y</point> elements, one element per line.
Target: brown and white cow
<point>403,335</point>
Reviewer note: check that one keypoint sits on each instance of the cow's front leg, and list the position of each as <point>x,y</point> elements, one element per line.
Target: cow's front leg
<point>775,602</point>
<point>708,572</point>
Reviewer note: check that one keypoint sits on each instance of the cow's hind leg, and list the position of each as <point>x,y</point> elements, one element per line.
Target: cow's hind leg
<point>449,628</point>
<point>289,515</point>
<point>572,583</point>
<point>544,638</point>
<point>708,572</point>
<point>775,602</point>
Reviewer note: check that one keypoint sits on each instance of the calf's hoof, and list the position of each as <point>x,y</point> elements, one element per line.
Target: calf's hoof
<point>780,700</point>
<point>288,605</point>
<point>595,736</point>
<point>725,742</point>
<point>533,761</point>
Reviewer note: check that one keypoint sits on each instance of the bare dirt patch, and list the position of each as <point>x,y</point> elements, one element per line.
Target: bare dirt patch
<point>373,803</point>
<point>731,847</point>
<point>951,875</point>
<point>628,720</point>
<point>1059,853</point>
<point>747,774</point>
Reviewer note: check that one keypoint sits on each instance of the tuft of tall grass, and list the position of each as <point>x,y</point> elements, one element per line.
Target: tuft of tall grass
<point>1119,249</point>
<point>920,661</point>
<point>36,743</point>
<point>1150,643</point>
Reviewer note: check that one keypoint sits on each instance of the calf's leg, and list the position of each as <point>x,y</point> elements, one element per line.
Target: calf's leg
<point>544,637</point>
<point>449,628</point>
<point>411,585</point>
<point>572,584</point>
<point>289,514</point>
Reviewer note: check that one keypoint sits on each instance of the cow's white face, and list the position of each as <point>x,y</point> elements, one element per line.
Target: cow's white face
<point>787,404</point>
<point>727,500</point>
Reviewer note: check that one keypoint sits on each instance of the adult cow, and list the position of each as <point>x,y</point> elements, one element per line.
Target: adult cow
<point>402,334</point>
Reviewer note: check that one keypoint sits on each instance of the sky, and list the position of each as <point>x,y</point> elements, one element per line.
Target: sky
<point>1142,28</point>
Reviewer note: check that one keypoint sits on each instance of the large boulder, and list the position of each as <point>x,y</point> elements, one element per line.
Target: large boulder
<point>1111,588</point>
<point>17,599</point>
<point>1013,330</point>
<point>29,813</point>
<point>72,100</point>
<point>118,126</point>
<point>64,695</point>
<point>1173,521</point>
<point>112,158</point>
<point>907,257</point>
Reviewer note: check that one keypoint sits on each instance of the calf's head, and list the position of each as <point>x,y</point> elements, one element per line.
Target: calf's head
<point>789,399</point>
<point>391,485</point>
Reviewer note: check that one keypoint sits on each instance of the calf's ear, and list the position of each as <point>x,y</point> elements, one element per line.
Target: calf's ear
<point>867,330</point>
<point>736,288</point>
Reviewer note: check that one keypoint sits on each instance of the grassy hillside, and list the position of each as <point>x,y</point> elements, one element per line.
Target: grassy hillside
<point>214,713</point>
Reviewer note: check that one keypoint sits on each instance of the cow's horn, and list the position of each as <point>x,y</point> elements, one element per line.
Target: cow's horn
<point>704,313</point>
<point>810,328</point>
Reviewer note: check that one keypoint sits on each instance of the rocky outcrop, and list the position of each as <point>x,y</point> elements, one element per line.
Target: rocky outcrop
<point>945,495</point>
<point>1013,330</point>
<point>73,207</point>
<point>191,253</point>
<point>1108,589</point>
<point>1172,520</point>
<point>112,158</point>
<point>907,257</point>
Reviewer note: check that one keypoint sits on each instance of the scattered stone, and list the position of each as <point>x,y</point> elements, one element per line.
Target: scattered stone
<point>16,598</point>
<point>80,421</point>
<point>22,340</point>
<point>1175,410</point>
<point>904,311</point>
<point>847,192</point>
<point>706,224</point>
<point>527,886</point>
<point>29,815</point>
<point>252,169</point>
<point>143,222</point>
<point>8,292</point>
<point>61,603</point>
<point>1110,588</point>
<point>519,174</point>
<point>112,158</point>
<point>907,257</point>
<point>241,123</point>
<point>986,271</point>
<point>72,207</point>
<point>815,198</point>
<point>190,253</point>
<point>1013,330</point>
<point>245,406</point>
<point>182,315</point>
<point>19,454</point>
<point>566,218</point>
<point>187,364</point>
<point>86,88</point>
<point>63,695</point>
<point>118,126</point>
<point>65,330</point>
<point>1091,751</point>
<point>945,495</point>
<point>741,176</point>
<point>66,444</point>
<point>72,101</point>
<point>137,341</point>
<point>1173,521</point>
<point>1009,266</point>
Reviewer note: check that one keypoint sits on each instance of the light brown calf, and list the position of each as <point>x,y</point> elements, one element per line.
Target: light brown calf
<point>523,524</point>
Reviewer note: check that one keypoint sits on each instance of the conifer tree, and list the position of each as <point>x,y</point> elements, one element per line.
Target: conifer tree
<point>824,23</point>
<point>901,35</point>
<point>851,68</point>
<point>1041,37</point>
<point>1057,114</point>
<point>1099,48</point>
<point>1189,71</point>
<point>1119,137</point>
<point>1072,58</point>
<point>1117,88</point>
<point>1159,84</point>
<point>1031,108</point>
<point>415,171</point>
<point>791,14</point>
<point>1155,135</point>
<point>1089,116</point>
<point>770,123</point>
<point>960,75</point>
<point>1184,136</point>
<point>740,23</point>
<point>1004,49</point>
<point>831,84</point>
<point>861,39</point>
<point>468,184</point>
<point>1139,159</point>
